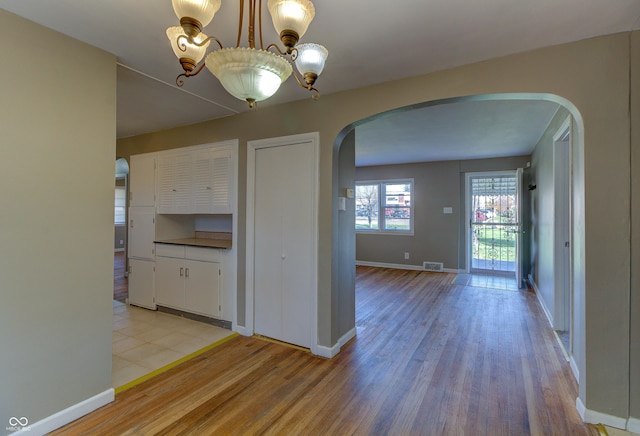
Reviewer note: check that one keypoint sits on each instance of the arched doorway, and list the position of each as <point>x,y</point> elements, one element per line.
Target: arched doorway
<point>346,156</point>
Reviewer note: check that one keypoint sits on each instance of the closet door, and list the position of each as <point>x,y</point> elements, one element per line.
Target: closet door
<point>284,233</point>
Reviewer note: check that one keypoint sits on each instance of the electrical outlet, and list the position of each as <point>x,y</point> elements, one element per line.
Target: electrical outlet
<point>406,255</point>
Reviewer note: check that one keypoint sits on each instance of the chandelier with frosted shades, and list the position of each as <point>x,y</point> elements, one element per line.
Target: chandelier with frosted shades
<point>249,73</point>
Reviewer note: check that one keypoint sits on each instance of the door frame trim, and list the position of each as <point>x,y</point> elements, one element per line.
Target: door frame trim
<point>313,139</point>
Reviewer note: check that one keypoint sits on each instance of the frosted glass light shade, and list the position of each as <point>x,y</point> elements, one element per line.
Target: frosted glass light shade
<point>291,15</point>
<point>248,73</point>
<point>311,58</point>
<point>192,51</point>
<point>201,10</point>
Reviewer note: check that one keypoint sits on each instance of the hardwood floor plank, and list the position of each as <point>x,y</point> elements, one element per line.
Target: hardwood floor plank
<point>430,357</point>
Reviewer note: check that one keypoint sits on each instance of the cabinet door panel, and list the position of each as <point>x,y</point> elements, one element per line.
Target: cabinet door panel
<point>142,180</point>
<point>202,289</point>
<point>165,184</point>
<point>170,282</point>
<point>202,182</point>
<point>141,232</point>
<point>141,283</point>
<point>222,181</point>
<point>174,184</point>
<point>182,184</point>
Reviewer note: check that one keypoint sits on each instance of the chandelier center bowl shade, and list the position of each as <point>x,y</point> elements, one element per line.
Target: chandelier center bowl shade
<point>248,73</point>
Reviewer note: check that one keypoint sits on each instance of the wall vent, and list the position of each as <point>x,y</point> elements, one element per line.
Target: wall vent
<point>433,266</point>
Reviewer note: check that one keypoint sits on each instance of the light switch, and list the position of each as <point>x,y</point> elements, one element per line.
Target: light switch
<point>349,193</point>
<point>447,210</point>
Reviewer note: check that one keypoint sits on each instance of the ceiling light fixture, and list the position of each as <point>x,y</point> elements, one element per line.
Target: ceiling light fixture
<point>248,73</point>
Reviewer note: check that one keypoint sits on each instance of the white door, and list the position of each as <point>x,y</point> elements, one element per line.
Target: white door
<point>494,227</point>
<point>562,229</point>
<point>284,242</point>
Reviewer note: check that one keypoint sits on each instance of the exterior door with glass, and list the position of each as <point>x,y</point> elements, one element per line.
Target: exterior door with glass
<point>494,227</point>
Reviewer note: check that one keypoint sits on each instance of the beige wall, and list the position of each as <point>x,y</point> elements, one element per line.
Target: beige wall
<point>591,77</point>
<point>57,122</point>
<point>635,226</point>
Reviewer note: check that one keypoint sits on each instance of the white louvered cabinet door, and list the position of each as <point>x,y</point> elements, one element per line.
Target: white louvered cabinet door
<point>174,184</point>
<point>222,181</point>
<point>202,182</point>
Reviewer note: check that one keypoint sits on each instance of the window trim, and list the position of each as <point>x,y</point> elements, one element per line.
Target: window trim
<point>123,193</point>
<point>381,217</point>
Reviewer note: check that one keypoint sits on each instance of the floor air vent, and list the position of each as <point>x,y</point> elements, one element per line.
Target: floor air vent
<point>433,266</point>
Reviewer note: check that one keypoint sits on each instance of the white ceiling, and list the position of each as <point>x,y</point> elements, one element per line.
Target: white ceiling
<point>458,130</point>
<point>368,43</point>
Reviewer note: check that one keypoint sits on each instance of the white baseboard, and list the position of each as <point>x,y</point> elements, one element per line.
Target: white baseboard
<point>541,301</point>
<point>68,415</point>
<point>574,368</point>
<point>633,425</point>
<point>402,266</point>
<point>580,408</point>
<point>593,417</point>
<point>330,352</point>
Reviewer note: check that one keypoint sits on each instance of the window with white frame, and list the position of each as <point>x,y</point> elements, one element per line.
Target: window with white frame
<point>120,205</point>
<point>384,206</point>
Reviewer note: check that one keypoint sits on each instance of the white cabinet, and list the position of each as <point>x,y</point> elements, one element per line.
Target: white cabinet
<point>142,232</point>
<point>141,283</point>
<point>199,181</point>
<point>187,280</point>
<point>175,183</point>
<point>142,180</point>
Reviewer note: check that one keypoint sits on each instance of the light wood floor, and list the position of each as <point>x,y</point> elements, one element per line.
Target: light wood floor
<point>429,358</point>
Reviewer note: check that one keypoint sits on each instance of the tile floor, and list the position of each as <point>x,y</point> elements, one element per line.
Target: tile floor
<point>146,340</point>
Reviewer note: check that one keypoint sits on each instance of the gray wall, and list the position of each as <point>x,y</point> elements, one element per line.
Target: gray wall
<point>435,185</point>
<point>57,120</point>
<point>438,237</point>
<point>591,78</point>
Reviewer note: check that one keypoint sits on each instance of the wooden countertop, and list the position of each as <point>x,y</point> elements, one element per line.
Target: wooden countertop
<point>202,239</point>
